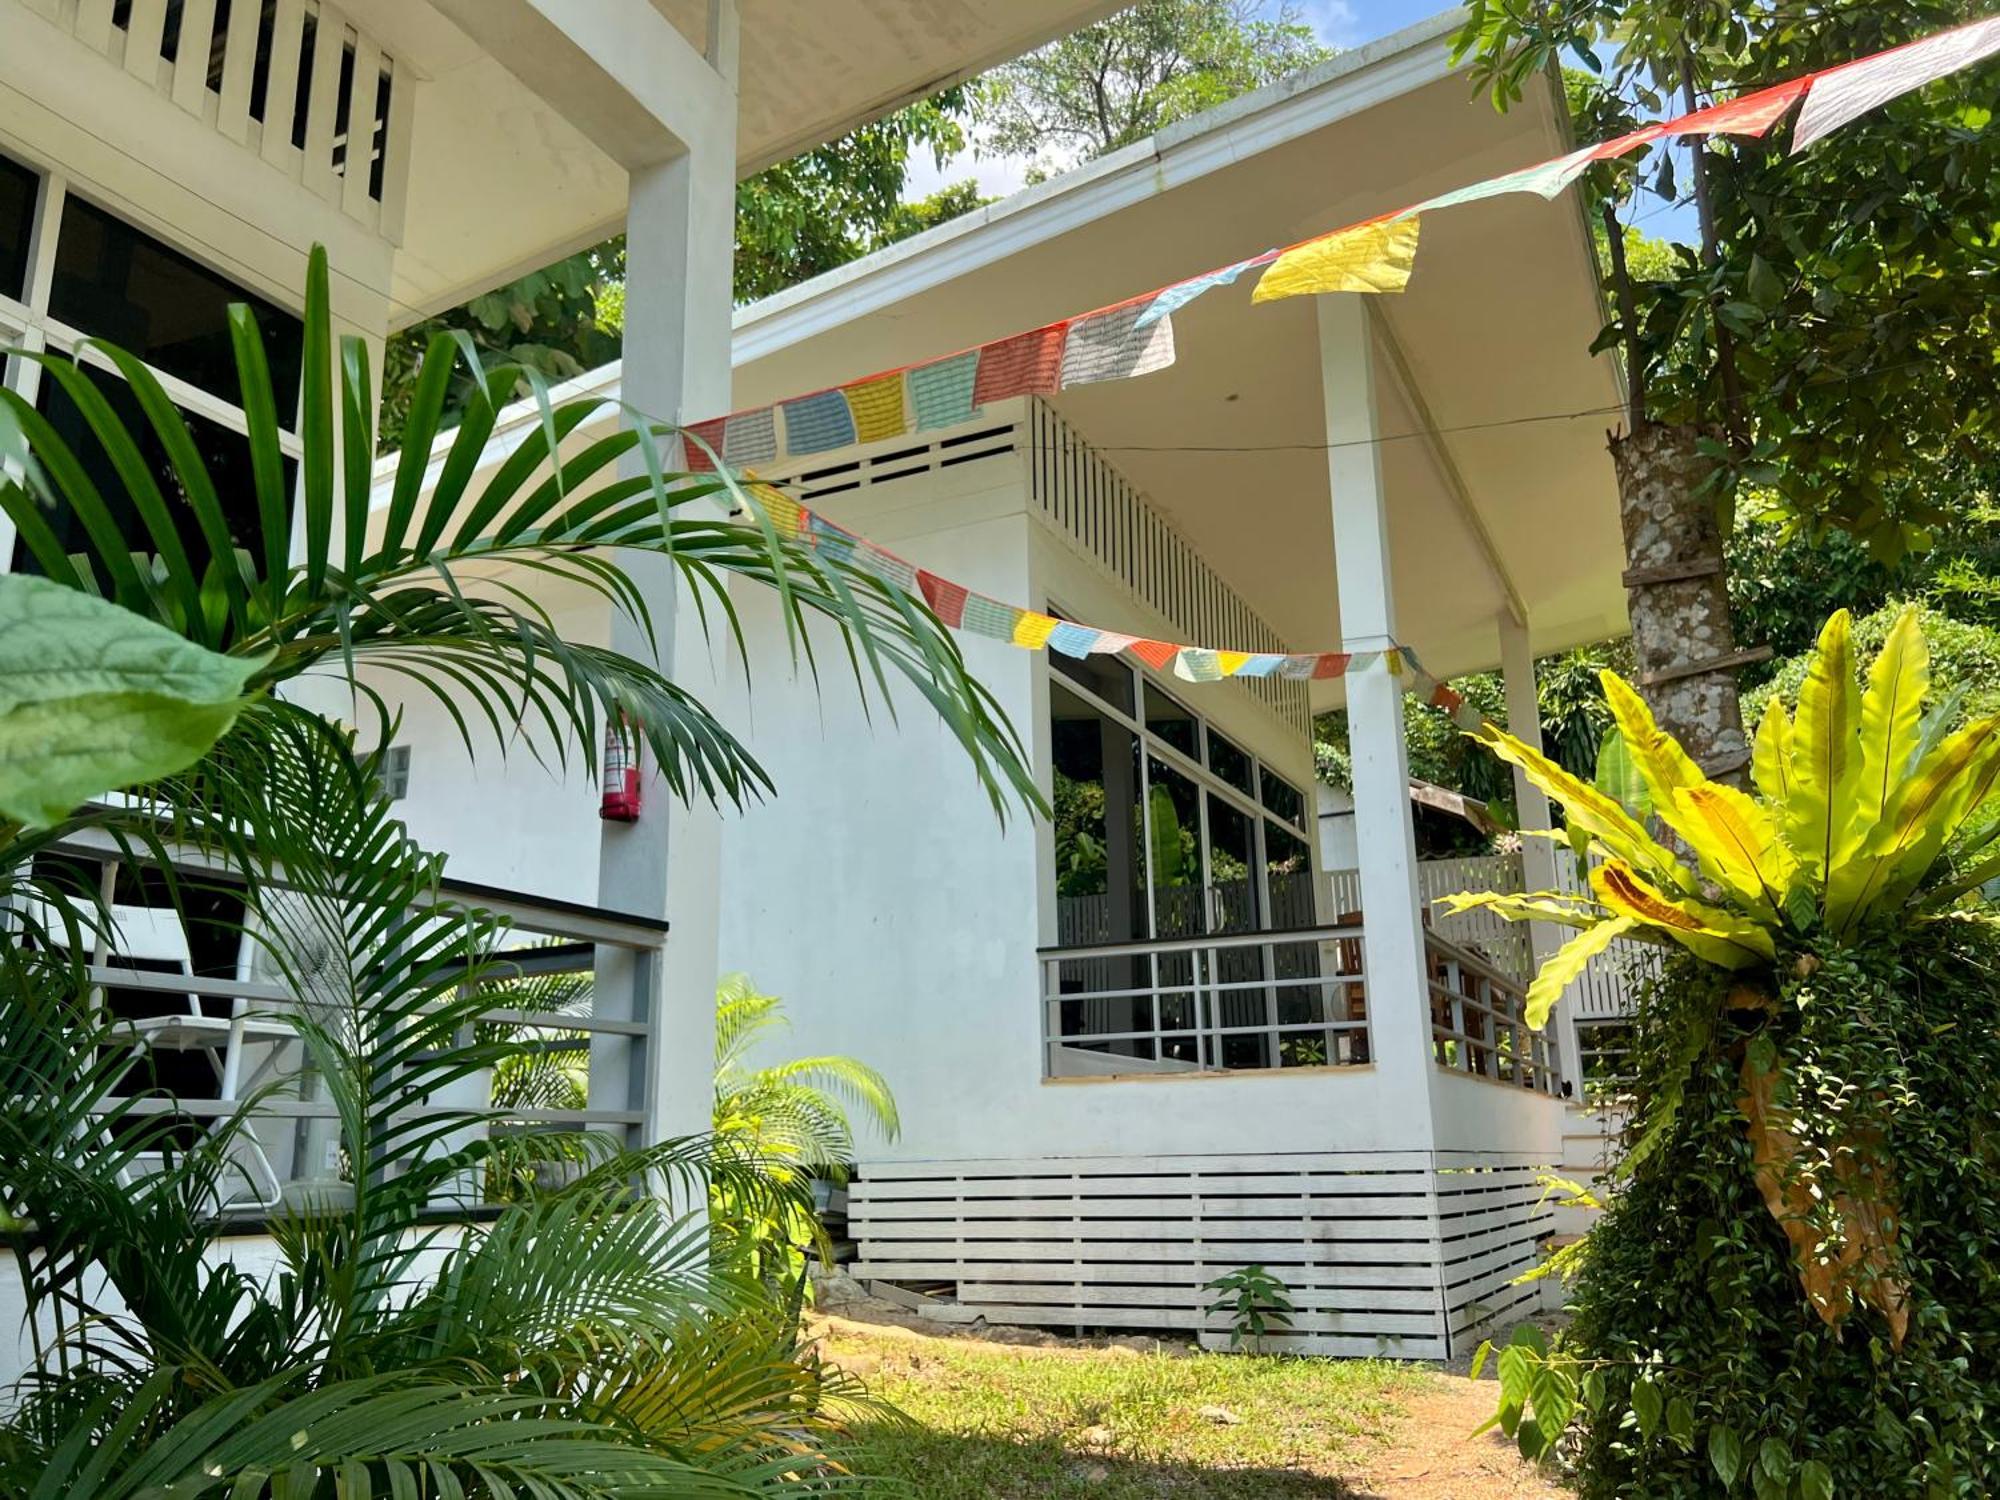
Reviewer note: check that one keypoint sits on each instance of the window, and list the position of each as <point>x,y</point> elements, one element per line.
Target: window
<point>1168,833</point>
<point>393,772</point>
<point>18,188</point>
<point>107,280</point>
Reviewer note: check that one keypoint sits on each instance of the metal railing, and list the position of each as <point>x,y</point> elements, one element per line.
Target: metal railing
<point>211,1020</point>
<point>1478,1021</point>
<point>1221,1002</point>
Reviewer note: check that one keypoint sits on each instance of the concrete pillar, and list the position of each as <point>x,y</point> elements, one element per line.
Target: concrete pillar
<point>1538,855</point>
<point>678,299</point>
<point>1393,937</point>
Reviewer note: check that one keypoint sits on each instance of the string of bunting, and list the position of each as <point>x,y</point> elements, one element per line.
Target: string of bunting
<point>1136,337</point>
<point>978,614</point>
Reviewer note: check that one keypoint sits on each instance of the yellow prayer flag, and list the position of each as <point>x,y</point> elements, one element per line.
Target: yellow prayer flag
<point>878,408</point>
<point>1033,630</point>
<point>1231,662</point>
<point>1369,258</point>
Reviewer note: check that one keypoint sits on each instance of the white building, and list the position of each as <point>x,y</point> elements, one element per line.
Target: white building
<point>1145,1045</point>
<point>160,159</point>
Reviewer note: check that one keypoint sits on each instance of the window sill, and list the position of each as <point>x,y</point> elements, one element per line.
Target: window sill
<point>1214,1075</point>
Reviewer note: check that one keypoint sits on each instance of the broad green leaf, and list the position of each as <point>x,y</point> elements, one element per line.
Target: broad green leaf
<point>1593,1390</point>
<point>1479,1357</point>
<point>1646,1405</point>
<point>94,698</point>
<point>1891,712</point>
<point>1815,1481</point>
<point>1771,757</point>
<point>1721,937</point>
<point>1824,761</point>
<point>1618,775</point>
<point>1656,755</point>
<point>1774,1458</point>
<point>1566,963</point>
<point>1725,1453</point>
<point>1680,1421</point>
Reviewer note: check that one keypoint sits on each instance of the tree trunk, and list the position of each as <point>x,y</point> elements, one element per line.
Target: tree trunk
<point>1681,632</point>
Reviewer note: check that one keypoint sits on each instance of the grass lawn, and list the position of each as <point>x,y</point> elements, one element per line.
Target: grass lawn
<point>1002,1421</point>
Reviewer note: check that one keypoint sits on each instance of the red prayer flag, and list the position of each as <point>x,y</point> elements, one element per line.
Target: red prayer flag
<point>1156,654</point>
<point>1331,664</point>
<point>1028,364</point>
<point>1752,114</point>
<point>694,455</point>
<point>943,596</point>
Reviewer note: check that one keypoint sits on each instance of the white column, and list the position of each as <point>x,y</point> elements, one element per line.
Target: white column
<point>1393,937</point>
<point>679,249</point>
<point>1538,855</point>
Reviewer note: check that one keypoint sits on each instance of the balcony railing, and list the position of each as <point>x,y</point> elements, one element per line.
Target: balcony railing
<point>1478,1021</point>
<point>1215,1003</point>
<point>212,1028</point>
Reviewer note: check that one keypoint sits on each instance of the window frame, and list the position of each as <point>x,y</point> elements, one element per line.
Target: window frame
<point>1207,783</point>
<point>28,327</point>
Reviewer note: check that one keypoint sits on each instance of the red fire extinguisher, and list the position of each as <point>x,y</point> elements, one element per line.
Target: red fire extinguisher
<point>620,802</point>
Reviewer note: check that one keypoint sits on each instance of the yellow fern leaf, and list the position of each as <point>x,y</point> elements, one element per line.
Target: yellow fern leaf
<point>1824,764</point>
<point>1662,764</point>
<point>1542,906</point>
<point>1771,760</point>
<point>1566,963</point>
<point>1593,811</point>
<point>1738,845</point>
<point>1720,937</point>
<point>1891,717</point>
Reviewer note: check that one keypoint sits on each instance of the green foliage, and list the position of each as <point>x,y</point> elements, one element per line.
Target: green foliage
<point>841,200</point>
<point>93,696</point>
<point>1849,279</point>
<point>396,588</point>
<point>794,1118</point>
<point>1689,1290</point>
<point>1125,77</point>
<point>1254,1301</point>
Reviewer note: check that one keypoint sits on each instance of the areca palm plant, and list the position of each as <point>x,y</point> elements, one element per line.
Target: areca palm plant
<point>794,1115</point>
<point>584,1343</point>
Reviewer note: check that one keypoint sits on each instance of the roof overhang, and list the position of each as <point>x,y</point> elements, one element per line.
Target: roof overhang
<point>505,179</point>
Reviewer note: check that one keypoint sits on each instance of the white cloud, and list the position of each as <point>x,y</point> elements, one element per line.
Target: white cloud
<point>997,176</point>
<point>1334,21</point>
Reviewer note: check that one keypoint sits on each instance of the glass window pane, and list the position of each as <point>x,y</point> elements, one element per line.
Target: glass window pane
<point>1288,878</point>
<point>1106,676</point>
<point>116,283</point>
<point>1100,878</point>
<point>226,455</point>
<point>1284,799</point>
<point>18,187</point>
<point>1242,997</point>
<point>1173,807</point>
<point>1230,763</point>
<point>1172,723</point>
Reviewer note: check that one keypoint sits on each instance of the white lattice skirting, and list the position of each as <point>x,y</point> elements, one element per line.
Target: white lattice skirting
<point>1404,1255</point>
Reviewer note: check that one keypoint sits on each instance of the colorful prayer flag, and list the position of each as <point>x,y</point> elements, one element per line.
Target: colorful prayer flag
<point>784,513</point>
<point>1194,664</point>
<point>1028,364</point>
<point>694,457</point>
<point>941,392</point>
<point>1749,114</point>
<point>1262,664</point>
<point>1072,639</point>
<point>1331,664</point>
<point>1033,630</point>
<point>1373,257</point>
<point>750,437</point>
<point>1547,179</point>
<point>946,599</point>
<point>1111,346</point>
<point>886,566</point>
<point>1181,293</point>
<point>818,423</point>
<point>877,406</point>
<point>1844,93</point>
<point>990,618</point>
<point>1110,643</point>
<point>1156,654</point>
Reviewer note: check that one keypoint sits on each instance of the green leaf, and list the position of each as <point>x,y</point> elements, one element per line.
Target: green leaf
<point>1725,1453</point>
<point>1766,289</point>
<point>1593,1389</point>
<point>1646,1405</point>
<point>1774,1458</point>
<point>95,698</point>
<point>1680,1421</point>
<point>1618,775</point>
<point>1815,1481</point>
